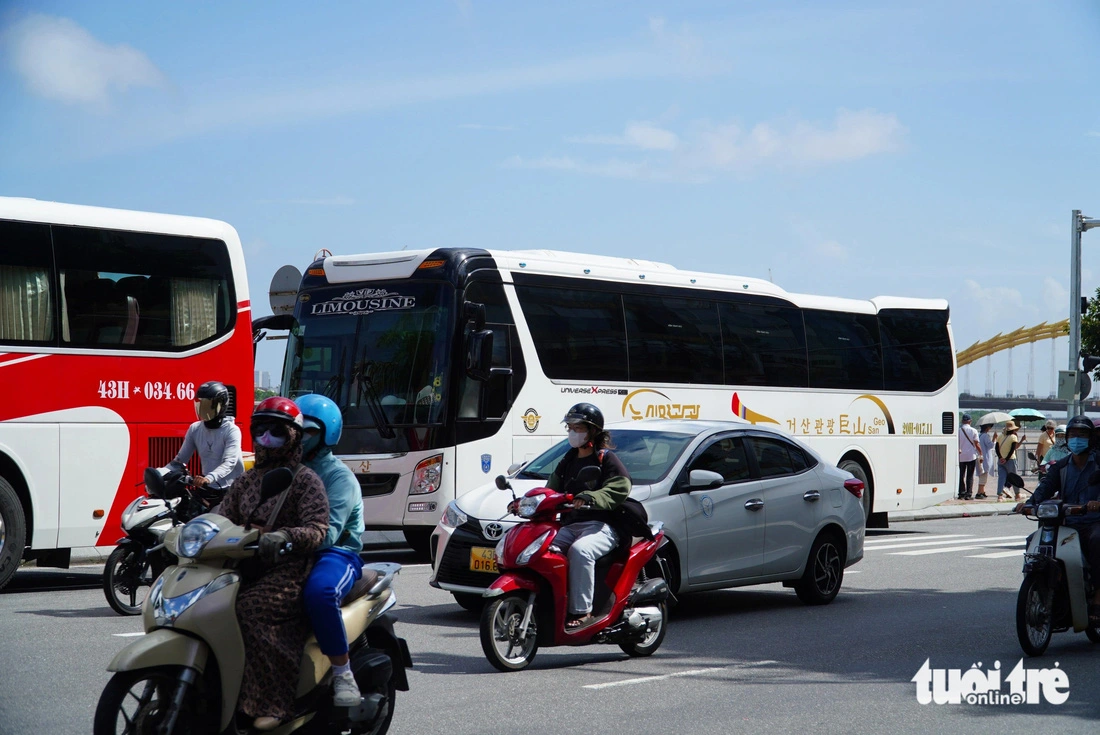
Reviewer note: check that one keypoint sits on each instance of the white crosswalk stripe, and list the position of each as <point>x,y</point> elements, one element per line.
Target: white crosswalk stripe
<point>946,544</point>
<point>912,537</point>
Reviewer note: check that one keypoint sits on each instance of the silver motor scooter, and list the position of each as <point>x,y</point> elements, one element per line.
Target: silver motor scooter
<point>184,674</point>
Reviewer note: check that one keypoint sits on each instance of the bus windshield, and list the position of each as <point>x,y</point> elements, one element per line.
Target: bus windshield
<point>381,351</point>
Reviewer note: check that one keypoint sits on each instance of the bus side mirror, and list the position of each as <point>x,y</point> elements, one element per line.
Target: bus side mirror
<point>479,354</point>
<point>474,315</point>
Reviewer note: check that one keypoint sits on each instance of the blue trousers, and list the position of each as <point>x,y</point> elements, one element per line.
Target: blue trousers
<point>334,573</point>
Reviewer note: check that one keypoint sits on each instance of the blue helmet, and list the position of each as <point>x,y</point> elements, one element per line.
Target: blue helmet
<point>324,412</point>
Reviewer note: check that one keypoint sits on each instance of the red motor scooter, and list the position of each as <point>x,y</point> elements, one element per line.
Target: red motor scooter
<point>526,605</point>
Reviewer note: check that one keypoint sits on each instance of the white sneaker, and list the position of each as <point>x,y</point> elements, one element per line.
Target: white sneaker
<point>345,690</point>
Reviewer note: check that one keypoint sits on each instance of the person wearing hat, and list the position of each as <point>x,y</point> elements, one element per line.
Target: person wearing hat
<point>1046,441</point>
<point>1006,458</point>
<point>1057,450</point>
<point>969,451</point>
<point>985,459</point>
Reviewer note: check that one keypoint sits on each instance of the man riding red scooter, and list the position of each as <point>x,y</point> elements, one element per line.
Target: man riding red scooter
<point>602,585</point>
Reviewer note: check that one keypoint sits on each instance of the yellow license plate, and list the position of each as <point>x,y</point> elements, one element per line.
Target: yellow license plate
<point>483,560</point>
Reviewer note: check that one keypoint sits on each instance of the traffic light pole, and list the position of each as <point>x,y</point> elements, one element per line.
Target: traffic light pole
<point>1078,225</point>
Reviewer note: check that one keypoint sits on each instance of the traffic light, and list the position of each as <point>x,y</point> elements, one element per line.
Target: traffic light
<point>1089,363</point>
<point>1084,304</point>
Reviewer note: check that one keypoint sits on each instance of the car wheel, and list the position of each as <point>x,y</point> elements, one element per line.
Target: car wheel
<point>468,601</point>
<point>824,573</point>
<point>13,532</point>
<point>419,539</point>
<point>868,500</point>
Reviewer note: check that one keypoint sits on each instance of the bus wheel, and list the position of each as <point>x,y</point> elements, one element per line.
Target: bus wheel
<point>13,532</point>
<point>420,539</point>
<point>850,465</point>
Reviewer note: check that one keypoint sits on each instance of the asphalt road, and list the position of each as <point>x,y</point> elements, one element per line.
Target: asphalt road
<point>943,591</point>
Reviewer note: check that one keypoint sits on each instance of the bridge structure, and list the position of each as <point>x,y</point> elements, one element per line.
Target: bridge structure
<point>1029,336</point>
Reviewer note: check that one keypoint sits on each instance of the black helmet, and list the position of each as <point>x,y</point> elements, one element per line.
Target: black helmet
<point>585,412</point>
<point>211,402</point>
<point>1080,422</point>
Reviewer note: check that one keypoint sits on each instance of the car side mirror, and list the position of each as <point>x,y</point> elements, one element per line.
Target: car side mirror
<point>589,477</point>
<point>275,481</point>
<point>705,480</point>
<point>513,469</point>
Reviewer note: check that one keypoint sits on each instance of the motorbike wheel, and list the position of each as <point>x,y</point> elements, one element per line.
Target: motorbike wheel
<point>126,581</point>
<point>1093,633</point>
<point>136,702</point>
<point>1034,618</point>
<point>500,622</point>
<point>648,645</point>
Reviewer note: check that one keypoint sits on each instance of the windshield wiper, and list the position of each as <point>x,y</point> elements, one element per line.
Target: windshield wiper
<point>528,475</point>
<point>366,389</point>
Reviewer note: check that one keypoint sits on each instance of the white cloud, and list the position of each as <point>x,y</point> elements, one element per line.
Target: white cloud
<point>708,149</point>
<point>831,249</point>
<point>1055,299</point>
<point>994,301</point>
<point>642,135</point>
<point>1093,134</point>
<point>59,60</point>
<point>336,201</point>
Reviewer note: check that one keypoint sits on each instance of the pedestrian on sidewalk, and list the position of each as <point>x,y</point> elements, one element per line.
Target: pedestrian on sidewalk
<point>969,451</point>
<point>1006,458</point>
<point>1058,450</point>
<point>986,462</point>
<point>1046,441</point>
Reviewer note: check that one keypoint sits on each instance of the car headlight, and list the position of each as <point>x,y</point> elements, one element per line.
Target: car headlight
<point>528,505</point>
<point>526,554</point>
<point>452,516</point>
<point>166,610</point>
<point>426,475</point>
<point>1047,510</point>
<point>194,536</point>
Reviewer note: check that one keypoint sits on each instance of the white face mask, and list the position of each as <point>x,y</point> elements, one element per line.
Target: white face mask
<point>577,439</point>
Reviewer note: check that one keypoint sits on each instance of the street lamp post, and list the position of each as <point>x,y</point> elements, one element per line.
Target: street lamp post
<point>1078,225</point>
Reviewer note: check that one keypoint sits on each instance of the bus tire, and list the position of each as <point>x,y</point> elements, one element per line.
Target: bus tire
<point>419,538</point>
<point>860,473</point>
<point>13,532</point>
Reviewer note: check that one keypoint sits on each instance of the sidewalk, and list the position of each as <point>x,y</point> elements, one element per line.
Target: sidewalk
<point>955,508</point>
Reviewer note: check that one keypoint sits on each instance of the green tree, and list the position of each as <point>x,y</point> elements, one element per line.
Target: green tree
<point>1090,330</point>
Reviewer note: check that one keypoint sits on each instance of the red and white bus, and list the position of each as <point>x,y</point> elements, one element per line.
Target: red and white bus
<point>109,320</point>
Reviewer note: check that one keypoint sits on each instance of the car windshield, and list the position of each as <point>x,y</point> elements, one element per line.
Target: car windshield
<point>647,455</point>
<point>381,352</point>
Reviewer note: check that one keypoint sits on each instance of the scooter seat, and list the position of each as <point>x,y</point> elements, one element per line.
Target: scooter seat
<point>359,589</point>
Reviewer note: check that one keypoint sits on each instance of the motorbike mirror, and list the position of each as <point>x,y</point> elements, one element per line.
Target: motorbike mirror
<point>502,483</point>
<point>1014,480</point>
<point>275,481</point>
<point>154,483</point>
<point>589,477</point>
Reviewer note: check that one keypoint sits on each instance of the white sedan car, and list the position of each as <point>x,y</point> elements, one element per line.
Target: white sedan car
<point>742,504</point>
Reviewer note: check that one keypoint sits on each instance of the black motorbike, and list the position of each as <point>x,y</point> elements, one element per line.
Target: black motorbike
<point>139,558</point>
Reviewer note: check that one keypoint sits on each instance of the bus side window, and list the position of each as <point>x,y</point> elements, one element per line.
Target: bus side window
<point>916,349</point>
<point>844,350</point>
<point>26,293</point>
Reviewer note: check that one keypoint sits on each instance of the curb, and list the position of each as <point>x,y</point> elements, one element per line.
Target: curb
<point>953,511</point>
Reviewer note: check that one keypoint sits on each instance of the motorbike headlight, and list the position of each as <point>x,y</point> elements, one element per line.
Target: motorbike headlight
<point>498,552</point>
<point>130,509</point>
<point>452,516</point>
<point>166,610</point>
<point>1047,510</point>
<point>528,505</point>
<point>526,554</point>
<point>194,536</point>
<point>426,475</point>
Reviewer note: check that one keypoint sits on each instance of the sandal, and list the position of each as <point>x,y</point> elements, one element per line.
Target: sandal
<point>576,622</point>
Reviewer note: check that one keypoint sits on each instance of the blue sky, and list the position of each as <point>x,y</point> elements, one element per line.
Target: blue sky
<point>929,149</point>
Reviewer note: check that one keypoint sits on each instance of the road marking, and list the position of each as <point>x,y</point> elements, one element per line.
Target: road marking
<point>963,540</point>
<point>914,537</point>
<point>996,555</point>
<point>127,635</point>
<point>692,672</point>
<point>922,552</point>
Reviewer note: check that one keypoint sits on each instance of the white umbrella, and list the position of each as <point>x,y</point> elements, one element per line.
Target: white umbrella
<point>996,417</point>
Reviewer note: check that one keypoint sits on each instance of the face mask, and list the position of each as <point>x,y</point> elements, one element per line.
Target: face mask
<point>1078,444</point>
<point>269,441</point>
<point>577,439</point>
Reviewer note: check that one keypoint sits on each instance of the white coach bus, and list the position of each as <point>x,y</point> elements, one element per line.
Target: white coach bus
<point>450,365</point>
